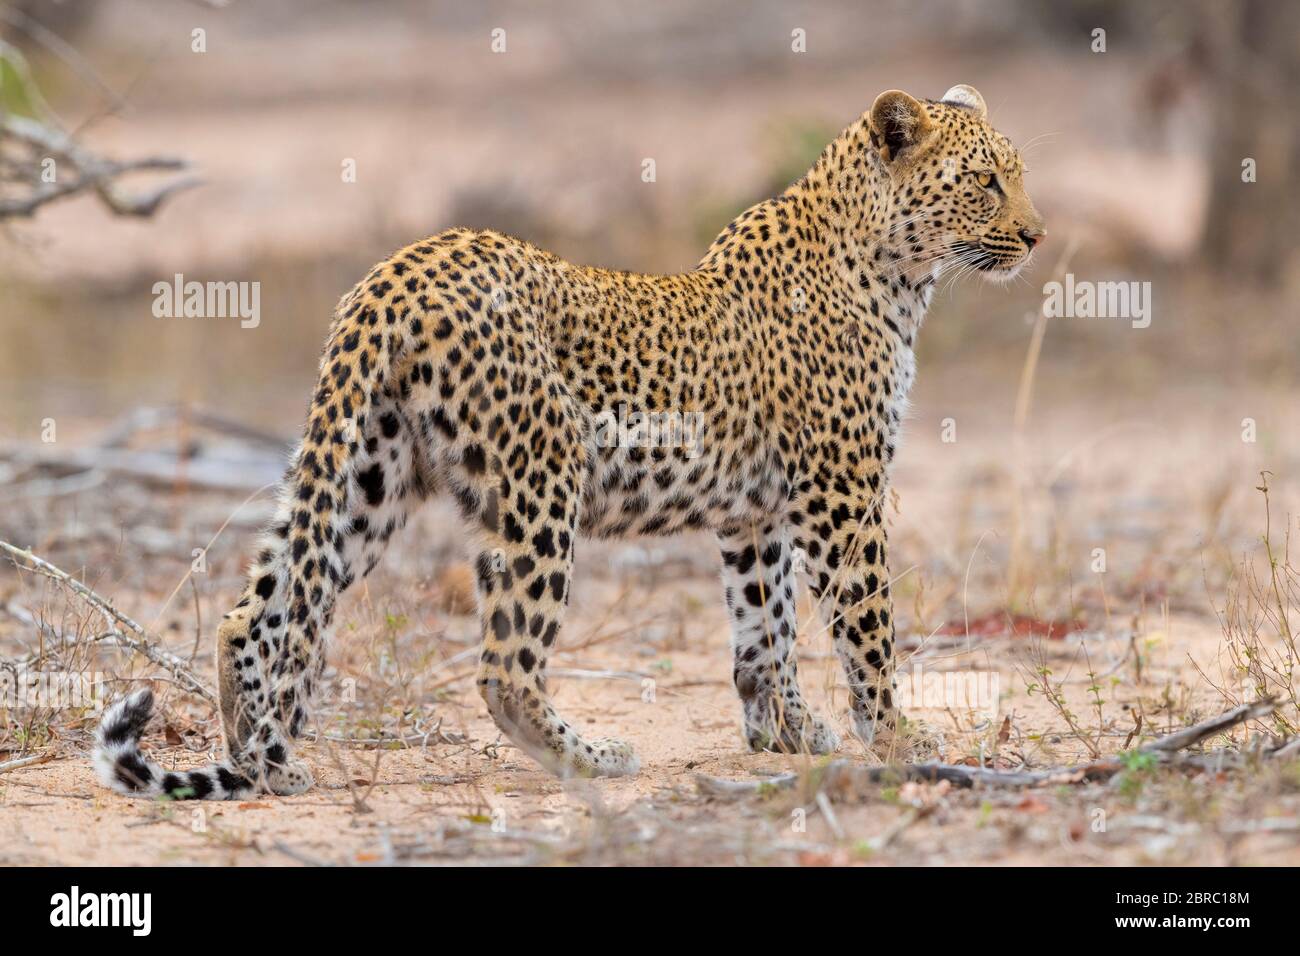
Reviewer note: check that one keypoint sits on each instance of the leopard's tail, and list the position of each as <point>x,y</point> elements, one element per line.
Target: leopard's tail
<point>122,767</point>
<point>270,647</point>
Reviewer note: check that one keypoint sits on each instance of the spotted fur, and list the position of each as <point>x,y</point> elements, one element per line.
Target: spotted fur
<point>476,365</point>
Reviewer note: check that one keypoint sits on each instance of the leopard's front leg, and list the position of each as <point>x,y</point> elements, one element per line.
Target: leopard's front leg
<point>842,536</point>
<point>759,587</point>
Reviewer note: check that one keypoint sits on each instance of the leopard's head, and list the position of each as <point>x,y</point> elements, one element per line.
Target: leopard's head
<point>956,193</point>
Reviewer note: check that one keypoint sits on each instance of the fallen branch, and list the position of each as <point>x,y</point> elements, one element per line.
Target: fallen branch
<point>1189,736</point>
<point>150,417</point>
<point>161,468</point>
<point>137,640</point>
<point>844,775</point>
<point>1286,751</point>
<point>55,487</point>
<point>25,762</point>
<point>582,673</point>
<point>298,856</point>
<point>436,735</point>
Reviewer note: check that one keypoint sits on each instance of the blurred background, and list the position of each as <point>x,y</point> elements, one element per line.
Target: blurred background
<point>307,140</point>
<point>1081,506</point>
<point>1134,152</point>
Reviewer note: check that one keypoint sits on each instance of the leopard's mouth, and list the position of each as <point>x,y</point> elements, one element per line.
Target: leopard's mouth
<point>996,265</point>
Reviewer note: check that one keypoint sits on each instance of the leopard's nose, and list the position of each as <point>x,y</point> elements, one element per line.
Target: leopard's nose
<point>1032,237</point>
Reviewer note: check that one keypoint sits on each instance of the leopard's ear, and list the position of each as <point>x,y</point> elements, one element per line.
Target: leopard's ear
<point>899,125</point>
<point>966,98</point>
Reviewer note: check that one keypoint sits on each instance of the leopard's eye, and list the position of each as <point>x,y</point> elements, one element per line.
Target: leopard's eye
<point>984,179</point>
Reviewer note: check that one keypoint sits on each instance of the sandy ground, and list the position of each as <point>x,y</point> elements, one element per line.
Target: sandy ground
<point>481,801</point>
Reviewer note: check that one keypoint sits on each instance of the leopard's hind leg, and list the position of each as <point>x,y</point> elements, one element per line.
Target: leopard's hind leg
<point>519,489</point>
<point>271,647</point>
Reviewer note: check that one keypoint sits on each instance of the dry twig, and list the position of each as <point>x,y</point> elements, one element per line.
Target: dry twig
<point>137,639</point>
<point>842,775</point>
<point>25,761</point>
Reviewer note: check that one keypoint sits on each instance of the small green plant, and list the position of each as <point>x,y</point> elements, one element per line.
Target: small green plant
<point>1053,694</point>
<point>182,793</point>
<point>1138,767</point>
<point>1138,761</point>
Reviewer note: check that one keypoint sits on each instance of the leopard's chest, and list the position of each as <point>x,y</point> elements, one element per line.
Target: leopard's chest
<point>893,342</point>
<point>902,374</point>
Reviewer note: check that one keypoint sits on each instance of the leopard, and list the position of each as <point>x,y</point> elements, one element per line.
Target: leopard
<point>475,365</point>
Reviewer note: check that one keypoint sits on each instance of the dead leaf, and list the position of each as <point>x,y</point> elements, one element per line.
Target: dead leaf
<point>1005,623</point>
<point>832,858</point>
<point>1031,804</point>
<point>1137,729</point>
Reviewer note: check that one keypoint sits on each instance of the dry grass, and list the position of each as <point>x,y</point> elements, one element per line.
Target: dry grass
<point>1261,658</point>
